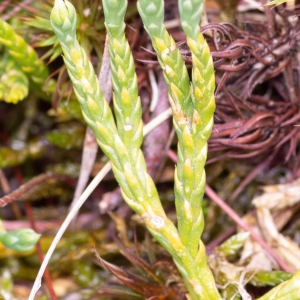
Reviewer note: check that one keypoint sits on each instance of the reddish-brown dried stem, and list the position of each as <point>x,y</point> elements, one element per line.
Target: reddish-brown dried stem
<point>23,189</point>
<point>40,252</point>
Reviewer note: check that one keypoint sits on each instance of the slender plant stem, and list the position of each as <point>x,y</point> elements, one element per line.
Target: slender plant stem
<point>121,142</point>
<point>95,182</point>
<point>90,147</point>
<point>38,246</point>
<point>64,226</point>
<point>193,107</point>
<point>39,251</point>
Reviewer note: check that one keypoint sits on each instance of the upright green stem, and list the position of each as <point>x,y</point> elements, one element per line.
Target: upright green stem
<point>193,121</point>
<point>127,104</point>
<point>139,192</point>
<point>203,86</point>
<point>122,143</point>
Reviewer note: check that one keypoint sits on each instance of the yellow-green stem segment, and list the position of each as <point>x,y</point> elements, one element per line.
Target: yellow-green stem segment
<point>23,54</point>
<point>193,107</point>
<point>137,187</point>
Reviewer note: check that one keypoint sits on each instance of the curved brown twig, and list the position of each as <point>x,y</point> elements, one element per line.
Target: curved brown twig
<point>26,187</point>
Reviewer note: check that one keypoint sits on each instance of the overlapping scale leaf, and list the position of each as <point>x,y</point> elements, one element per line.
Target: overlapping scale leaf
<point>23,54</point>
<point>14,84</point>
<point>233,244</point>
<point>127,104</point>
<point>190,122</point>
<point>143,198</point>
<point>21,240</point>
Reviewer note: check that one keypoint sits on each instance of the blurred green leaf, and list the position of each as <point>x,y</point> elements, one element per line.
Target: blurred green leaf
<point>21,240</point>
<point>48,42</point>
<point>6,285</point>
<point>264,278</point>
<point>39,23</point>
<point>67,138</point>
<point>233,244</point>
